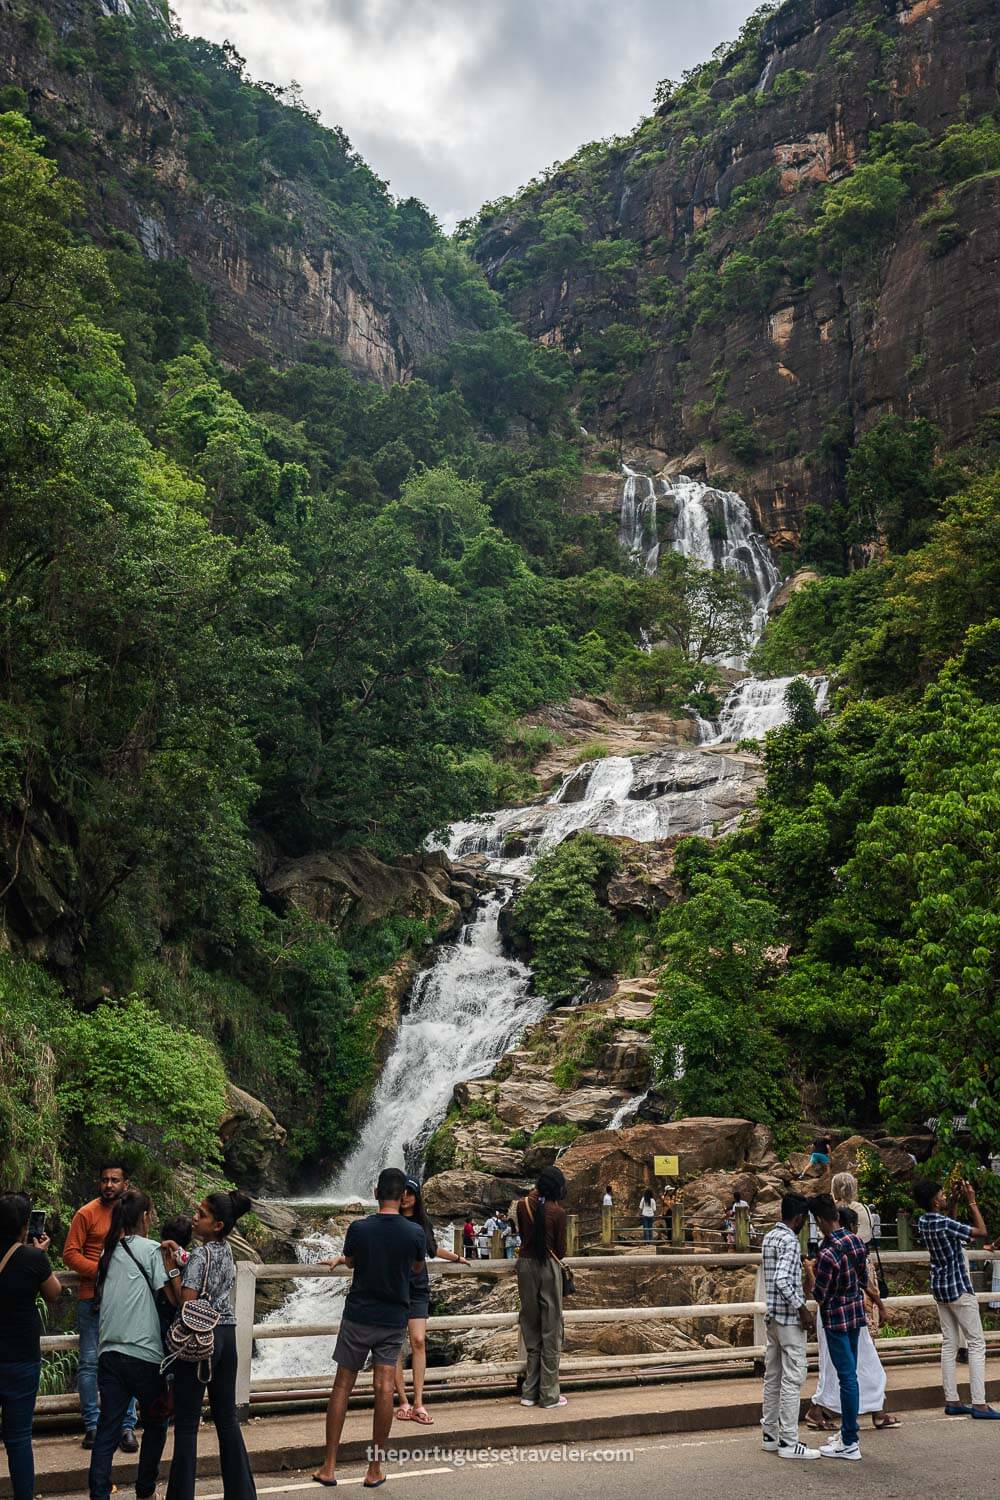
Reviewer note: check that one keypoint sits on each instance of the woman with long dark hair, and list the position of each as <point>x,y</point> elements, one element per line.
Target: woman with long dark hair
<point>25,1273</point>
<point>412,1207</point>
<point>541,1222</point>
<point>211,1273</point>
<point>130,1272</point>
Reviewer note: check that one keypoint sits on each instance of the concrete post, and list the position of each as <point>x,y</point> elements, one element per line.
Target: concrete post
<point>904,1232</point>
<point>245,1303</point>
<point>804,1237</point>
<point>572,1234</point>
<point>607,1226</point>
<point>457,1240</point>
<point>677,1226</point>
<point>741,1229</point>
<point>759,1319</point>
<point>496,1245</point>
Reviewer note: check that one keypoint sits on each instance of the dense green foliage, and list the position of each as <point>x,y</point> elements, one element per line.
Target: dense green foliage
<point>560,918</point>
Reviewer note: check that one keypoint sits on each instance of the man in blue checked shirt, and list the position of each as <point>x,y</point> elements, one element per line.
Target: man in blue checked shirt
<point>789,1322</point>
<point>839,1282</point>
<point>951,1288</point>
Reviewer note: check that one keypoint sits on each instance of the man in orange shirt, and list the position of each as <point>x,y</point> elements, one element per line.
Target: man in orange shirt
<point>81,1253</point>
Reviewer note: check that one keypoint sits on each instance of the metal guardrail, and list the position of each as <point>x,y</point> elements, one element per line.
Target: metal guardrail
<point>247,1330</point>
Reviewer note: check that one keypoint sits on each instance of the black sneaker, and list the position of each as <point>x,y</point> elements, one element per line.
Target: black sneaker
<point>88,1437</point>
<point>129,1442</point>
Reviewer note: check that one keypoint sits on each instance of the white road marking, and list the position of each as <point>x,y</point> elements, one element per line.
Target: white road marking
<point>285,1489</point>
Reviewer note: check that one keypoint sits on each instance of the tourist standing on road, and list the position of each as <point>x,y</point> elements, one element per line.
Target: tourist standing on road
<point>81,1253</point>
<point>951,1287</point>
<point>25,1273</point>
<point>130,1271</point>
<point>384,1251</point>
<point>788,1323</point>
<point>647,1213</point>
<point>210,1273</point>
<point>412,1208</point>
<point>840,1279</point>
<point>541,1222</point>
<point>871,1373</point>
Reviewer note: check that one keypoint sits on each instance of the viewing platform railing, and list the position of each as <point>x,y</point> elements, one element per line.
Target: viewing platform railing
<point>259,1390</point>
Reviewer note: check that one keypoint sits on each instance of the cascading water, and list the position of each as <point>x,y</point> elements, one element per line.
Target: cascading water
<point>715,529</point>
<point>756,705</point>
<point>637,528</point>
<point>314,1299</point>
<point>465,1012</point>
<point>627,1111</point>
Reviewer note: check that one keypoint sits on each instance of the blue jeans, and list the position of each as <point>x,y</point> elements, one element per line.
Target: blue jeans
<point>88,1319</point>
<point>647,1229</point>
<point>18,1389</point>
<point>844,1353</point>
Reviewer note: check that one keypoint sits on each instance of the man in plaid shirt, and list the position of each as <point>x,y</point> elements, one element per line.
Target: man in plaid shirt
<point>951,1288</point>
<point>840,1277</point>
<point>788,1322</point>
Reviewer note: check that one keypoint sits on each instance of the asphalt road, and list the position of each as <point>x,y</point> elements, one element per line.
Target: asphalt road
<point>930,1456</point>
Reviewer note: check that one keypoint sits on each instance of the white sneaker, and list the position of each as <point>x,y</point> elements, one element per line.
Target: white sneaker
<point>527,1401</point>
<point>837,1448</point>
<point>769,1444</point>
<point>796,1450</point>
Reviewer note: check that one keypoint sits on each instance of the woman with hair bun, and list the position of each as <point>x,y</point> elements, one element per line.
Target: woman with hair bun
<point>541,1222</point>
<point>211,1273</point>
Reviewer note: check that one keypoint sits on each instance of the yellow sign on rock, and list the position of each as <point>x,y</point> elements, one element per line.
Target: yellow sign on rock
<point>666,1166</point>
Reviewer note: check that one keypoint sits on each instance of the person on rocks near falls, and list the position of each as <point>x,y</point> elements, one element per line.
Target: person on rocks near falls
<point>384,1251</point>
<point>541,1222</point>
<point>412,1208</point>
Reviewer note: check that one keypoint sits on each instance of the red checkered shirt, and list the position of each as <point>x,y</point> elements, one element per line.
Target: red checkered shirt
<point>841,1272</point>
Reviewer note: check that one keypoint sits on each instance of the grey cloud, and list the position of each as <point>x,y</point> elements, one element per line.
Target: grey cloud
<point>459,101</point>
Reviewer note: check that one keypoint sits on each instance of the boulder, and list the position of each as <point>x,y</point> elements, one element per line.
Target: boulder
<point>625,1157</point>
<point>799,580</point>
<point>453,1194</point>
<point>355,886</point>
<point>250,1136</point>
<point>897,1161</point>
<point>761,1152</point>
<point>706,1202</point>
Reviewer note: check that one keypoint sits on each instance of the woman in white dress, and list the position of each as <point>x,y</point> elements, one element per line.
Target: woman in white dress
<point>871,1374</point>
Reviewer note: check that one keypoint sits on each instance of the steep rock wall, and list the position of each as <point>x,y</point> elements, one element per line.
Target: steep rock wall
<point>130,149</point>
<point>910,329</point>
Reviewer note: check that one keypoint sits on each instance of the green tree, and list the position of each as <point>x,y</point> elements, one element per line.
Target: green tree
<point>560,917</point>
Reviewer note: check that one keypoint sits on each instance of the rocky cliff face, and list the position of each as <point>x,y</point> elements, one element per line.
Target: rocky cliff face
<point>283,269</point>
<point>618,256</point>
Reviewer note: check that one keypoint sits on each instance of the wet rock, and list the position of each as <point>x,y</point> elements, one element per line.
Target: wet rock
<point>355,886</point>
<point>457,1192</point>
<point>251,1137</point>
<point>625,1157</point>
<point>799,580</point>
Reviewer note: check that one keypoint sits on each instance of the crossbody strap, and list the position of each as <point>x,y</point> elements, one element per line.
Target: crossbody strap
<point>145,1274</point>
<point>11,1251</point>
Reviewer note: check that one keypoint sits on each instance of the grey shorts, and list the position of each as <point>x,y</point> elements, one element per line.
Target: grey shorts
<point>356,1341</point>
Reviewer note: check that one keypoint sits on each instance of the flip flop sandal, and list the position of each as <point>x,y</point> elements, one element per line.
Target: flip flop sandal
<point>818,1422</point>
<point>404,1413</point>
<point>887,1421</point>
<point>421,1415</point>
<point>330,1484</point>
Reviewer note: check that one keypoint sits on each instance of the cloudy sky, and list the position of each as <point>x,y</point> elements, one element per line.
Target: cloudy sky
<point>461,101</point>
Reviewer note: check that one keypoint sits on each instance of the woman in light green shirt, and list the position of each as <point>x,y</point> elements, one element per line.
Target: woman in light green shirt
<point>131,1270</point>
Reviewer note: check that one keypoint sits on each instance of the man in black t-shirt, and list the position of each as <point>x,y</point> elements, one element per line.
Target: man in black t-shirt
<point>382,1250</point>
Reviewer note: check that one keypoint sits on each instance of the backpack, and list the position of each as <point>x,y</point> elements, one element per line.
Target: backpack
<point>191,1336</point>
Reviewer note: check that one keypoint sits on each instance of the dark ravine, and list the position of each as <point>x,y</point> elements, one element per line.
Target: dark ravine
<point>902,330</point>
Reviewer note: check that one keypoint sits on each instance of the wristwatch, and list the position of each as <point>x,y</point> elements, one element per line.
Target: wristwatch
<point>173,1272</point>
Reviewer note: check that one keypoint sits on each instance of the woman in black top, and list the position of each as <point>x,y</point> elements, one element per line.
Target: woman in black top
<point>541,1222</point>
<point>25,1272</point>
<point>412,1207</point>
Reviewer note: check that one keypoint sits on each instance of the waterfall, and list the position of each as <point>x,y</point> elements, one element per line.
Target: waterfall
<point>627,1111</point>
<point>637,530</point>
<point>756,705</point>
<point>715,528</point>
<point>314,1299</point>
<point>465,1012</point>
